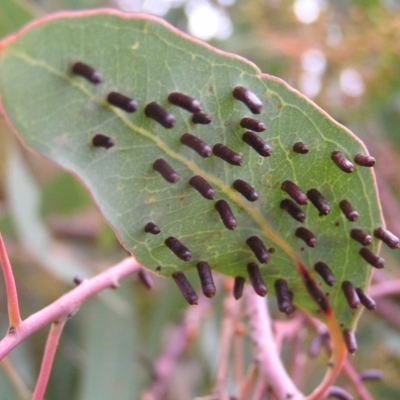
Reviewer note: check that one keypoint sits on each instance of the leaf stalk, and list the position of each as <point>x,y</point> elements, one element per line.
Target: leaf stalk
<point>11,288</point>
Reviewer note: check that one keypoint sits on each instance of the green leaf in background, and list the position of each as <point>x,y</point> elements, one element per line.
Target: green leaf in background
<point>57,113</point>
<point>14,14</point>
<point>110,371</point>
<point>24,199</point>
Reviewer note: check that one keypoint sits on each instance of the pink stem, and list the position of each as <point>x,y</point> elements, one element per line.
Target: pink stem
<point>229,319</point>
<point>15,379</point>
<point>12,296</point>
<point>175,346</point>
<point>248,383</point>
<point>48,358</point>
<point>385,288</point>
<point>356,381</point>
<point>69,303</point>
<point>265,351</point>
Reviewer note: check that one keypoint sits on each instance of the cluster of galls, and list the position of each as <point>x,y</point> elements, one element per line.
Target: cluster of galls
<point>354,296</point>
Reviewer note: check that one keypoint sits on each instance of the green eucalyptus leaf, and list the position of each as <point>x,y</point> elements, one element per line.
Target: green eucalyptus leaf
<point>23,196</point>
<point>57,113</point>
<point>109,370</point>
<point>14,14</point>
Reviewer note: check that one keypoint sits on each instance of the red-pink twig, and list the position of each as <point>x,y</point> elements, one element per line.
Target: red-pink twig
<point>356,381</point>
<point>15,379</point>
<point>69,303</point>
<point>12,296</point>
<point>48,358</point>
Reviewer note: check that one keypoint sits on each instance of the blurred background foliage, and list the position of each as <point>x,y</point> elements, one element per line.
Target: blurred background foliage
<point>345,55</point>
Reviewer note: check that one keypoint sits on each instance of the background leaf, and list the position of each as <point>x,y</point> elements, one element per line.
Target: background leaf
<point>146,59</point>
<point>24,199</point>
<point>14,14</point>
<point>111,370</point>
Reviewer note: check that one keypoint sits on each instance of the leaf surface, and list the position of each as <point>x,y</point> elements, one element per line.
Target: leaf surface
<point>57,114</point>
<point>14,14</point>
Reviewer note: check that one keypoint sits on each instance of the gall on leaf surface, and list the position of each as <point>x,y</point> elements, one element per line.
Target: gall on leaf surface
<point>57,113</point>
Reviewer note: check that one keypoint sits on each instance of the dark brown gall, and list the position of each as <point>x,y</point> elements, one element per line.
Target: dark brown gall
<point>226,214</point>
<point>185,287</point>
<point>319,201</point>
<point>256,279</point>
<point>160,114</point>
<point>252,124</point>
<point>366,300</point>
<point>371,258</point>
<point>294,192</point>
<point>184,101</point>
<point>100,140</point>
<point>238,287</point>
<point>300,148</point>
<point>178,248</point>
<point>200,118</point>
<point>258,248</point>
<point>87,72</point>
<point>78,280</point>
<point>258,144</point>
<point>387,237</point>
<point>293,210</point>
<point>201,148</point>
<point>339,393</point>
<point>325,272</point>
<point>145,278</point>
<point>342,162</point>
<point>361,237</point>
<point>371,375</point>
<point>363,160</point>
<point>165,170</point>
<point>206,279</point>
<point>226,154</point>
<point>152,228</point>
<point>350,341</point>
<point>247,97</point>
<point>123,102</point>
<point>351,295</point>
<point>245,189</point>
<point>350,213</point>
<point>203,187</point>
<point>307,236</point>
<point>283,297</point>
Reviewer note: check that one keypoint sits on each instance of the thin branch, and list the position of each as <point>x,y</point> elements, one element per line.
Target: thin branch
<point>298,357</point>
<point>385,288</point>
<point>260,389</point>
<point>23,392</point>
<point>248,383</point>
<point>287,329</point>
<point>322,338</point>
<point>358,384</point>
<point>231,309</point>
<point>390,311</point>
<point>338,356</point>
<point>174,347</point>
<point>48,358</point>
<point>12,296</point>
<point>265,351</point>
<point>69,303</point>
<point>238,354</point>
